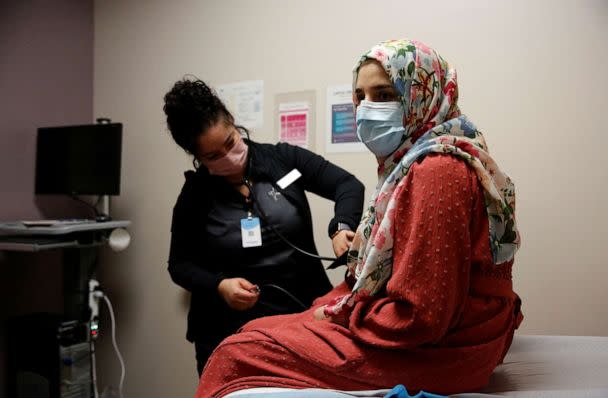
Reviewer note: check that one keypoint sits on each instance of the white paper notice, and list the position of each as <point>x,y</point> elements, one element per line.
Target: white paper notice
<point>246,102</point>
<point>294,123</point>
<point>341,130</point>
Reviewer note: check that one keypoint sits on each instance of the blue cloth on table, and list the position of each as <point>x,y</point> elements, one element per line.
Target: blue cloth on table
<point>400,391</point>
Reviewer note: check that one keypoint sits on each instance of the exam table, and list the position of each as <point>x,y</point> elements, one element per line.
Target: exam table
<point>535,367</point>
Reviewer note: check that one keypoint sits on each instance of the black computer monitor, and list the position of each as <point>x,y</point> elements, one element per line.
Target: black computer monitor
<point>79,160</point>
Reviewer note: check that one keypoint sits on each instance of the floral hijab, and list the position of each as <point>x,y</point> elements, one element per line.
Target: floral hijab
<point>427,88</point>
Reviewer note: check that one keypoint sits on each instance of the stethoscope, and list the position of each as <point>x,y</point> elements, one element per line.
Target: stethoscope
<point>264,217</point>
<point>253,202</point>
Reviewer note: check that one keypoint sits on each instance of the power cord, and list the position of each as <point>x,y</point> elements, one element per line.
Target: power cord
<point>92,207</point>
<point>95,293</point>
<point>94,371</point>
<point>120,359</point>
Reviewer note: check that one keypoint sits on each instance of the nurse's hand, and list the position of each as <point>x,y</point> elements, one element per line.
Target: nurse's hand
<point>238,293</point>
<point>342,241</point>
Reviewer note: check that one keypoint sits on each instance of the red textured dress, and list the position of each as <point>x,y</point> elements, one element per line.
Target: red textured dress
<point>444,322</point>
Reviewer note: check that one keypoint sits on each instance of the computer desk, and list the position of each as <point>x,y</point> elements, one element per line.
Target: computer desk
<point>79,243</point>
<point>37,360</point>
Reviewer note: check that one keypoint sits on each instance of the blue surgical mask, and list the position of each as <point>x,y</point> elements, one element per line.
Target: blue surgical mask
<point>380,126</point>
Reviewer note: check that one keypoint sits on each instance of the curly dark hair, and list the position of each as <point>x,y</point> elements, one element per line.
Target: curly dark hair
<point>191,108</point>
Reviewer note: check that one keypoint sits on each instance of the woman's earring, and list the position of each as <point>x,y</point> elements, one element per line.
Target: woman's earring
<point>196,163</point>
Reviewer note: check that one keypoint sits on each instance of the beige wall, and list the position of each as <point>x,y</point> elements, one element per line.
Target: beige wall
<point>532,76</point>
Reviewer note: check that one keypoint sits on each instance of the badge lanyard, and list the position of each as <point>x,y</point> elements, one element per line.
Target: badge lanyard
<point>251,232</point>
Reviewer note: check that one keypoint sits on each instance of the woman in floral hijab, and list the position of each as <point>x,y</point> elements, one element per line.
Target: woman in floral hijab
<point>426,93</point>
<point>428,300</point>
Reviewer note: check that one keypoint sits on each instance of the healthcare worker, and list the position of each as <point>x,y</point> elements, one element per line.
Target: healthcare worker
<point>242,221</point>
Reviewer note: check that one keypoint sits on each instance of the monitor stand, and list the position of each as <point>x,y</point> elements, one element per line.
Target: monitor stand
<point>103,209</point>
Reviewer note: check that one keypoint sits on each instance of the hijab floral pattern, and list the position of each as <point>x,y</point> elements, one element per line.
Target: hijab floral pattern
<point>428,91</point>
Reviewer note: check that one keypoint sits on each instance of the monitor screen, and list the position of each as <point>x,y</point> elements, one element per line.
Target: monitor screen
<point>79,160</point>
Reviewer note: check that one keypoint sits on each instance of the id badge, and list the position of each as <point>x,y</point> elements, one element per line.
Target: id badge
<point>251,233</point>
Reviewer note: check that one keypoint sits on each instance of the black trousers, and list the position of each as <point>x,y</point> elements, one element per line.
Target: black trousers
<point>272,302</point>
<point>203,350</point>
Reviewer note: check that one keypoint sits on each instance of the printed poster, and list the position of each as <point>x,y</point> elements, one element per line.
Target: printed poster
<point>294,123</point>
<point>245,100</point>
<point>341,130</point>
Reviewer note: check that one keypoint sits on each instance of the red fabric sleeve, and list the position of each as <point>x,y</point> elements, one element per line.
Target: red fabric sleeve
<point>431,258</point>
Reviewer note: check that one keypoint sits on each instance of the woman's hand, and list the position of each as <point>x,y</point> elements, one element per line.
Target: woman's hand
<point>342,241</point>
<point>238,293</point>
<point>319,313</point>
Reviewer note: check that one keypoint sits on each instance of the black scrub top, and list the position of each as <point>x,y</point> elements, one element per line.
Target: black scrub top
<point>272,263</point>
<point>206,243</point>
<point>274,266</point>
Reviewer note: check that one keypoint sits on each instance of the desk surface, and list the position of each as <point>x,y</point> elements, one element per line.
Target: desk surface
<point>16,236</point>
<point>18,228</point>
